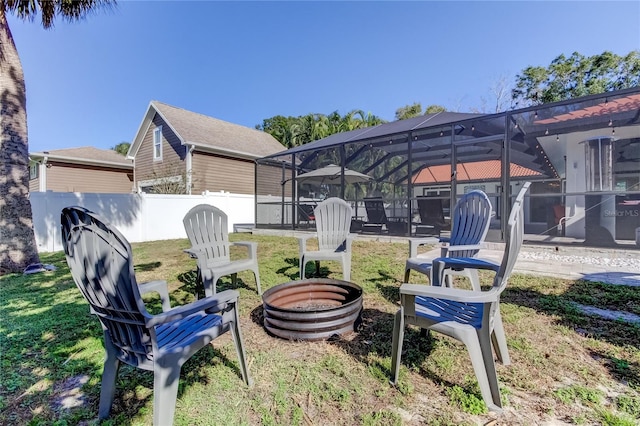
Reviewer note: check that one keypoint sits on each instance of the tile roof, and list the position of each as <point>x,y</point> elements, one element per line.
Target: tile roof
<point>478,170</point>
<point>627,103</point>
<point>206,131</point>
<point>85,154</point>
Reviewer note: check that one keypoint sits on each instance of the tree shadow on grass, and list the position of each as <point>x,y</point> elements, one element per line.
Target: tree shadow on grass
<point>193,284</point>
<point>147,267</point>
<point>565,307</point>
<point>287,271</point>
<point>54,340</point>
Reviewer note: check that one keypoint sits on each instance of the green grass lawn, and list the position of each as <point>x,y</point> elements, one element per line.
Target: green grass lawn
<point>566,366</point>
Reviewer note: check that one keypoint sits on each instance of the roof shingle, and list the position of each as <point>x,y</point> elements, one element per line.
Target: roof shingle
<point>210,132</point>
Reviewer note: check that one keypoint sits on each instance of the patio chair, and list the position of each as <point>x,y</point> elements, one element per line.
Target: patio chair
<point>305,214</point>
<point>376,214</point>
<point>471,220</point>
<point>473,317</point>
<point>432,219</point>
<point>333,221</point>
<point>208,233</point>
<point>101,265</point>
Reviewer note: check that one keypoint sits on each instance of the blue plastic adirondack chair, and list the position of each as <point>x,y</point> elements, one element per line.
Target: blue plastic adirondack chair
<point>333,223</point>
<point>473,317</point>
<point>471,219</point>
<point>101,264</point>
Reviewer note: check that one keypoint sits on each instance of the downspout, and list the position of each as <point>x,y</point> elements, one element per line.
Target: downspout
<point>189,167</point>
<point>42,171</point>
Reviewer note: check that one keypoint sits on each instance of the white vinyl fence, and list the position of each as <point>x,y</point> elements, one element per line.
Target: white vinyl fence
<point>139,217</point>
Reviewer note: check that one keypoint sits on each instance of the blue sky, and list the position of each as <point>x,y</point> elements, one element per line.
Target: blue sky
<point>89,83</point>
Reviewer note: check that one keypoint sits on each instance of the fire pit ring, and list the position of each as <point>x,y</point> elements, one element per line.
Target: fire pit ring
<point>312,309</point>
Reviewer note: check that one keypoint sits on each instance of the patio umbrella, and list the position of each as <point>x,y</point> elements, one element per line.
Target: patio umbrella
<point>331,175</point>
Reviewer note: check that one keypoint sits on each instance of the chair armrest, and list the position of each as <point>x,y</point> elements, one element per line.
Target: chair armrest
<point>349,241</point>
<point>448,293</point>
<point>438,266</point>
<point>193,253</point>
<point>251,245</point>
<point>446,249</point>
<point>302,242</point>
<point>216,303</point>
<point>414,243</point>
<point>159,287</point>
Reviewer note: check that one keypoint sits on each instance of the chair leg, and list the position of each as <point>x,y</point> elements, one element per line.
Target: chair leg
<point>209,281</point>
<point>407,272</point>
<point>109,376</point>
<point>484,338</point>
<point>234,279</point>
<point>303,264</point>
<point>473,276</point>
<point>317,268</point>
<point>396,345</point>
<point>238,343</point>
<point>256,274</point>
<point>499,340</point>
<point>346,269</point>
<point>165,392</point>
<point>479,365</point>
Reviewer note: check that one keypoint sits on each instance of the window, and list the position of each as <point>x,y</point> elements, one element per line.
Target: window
<point>157,143</point>
<point>33,170</point>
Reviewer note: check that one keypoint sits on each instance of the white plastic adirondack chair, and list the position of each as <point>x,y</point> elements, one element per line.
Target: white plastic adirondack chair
<point>473,317</point>
<point>471,219</point>
<point>101,264</point>
<point>208,232</point>
<point>333,221</point>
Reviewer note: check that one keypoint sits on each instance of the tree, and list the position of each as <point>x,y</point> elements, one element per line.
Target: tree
<point>577,75</point>
<point>500,91</point>
<point>122,148</point>
<point>415,110</point>
<point>296,131</point>
<point>409,111</point>
<point>17,239</point>
<point>432,109</point>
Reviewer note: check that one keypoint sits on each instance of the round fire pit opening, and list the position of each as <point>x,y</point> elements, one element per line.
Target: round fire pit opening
<point>312,309</point>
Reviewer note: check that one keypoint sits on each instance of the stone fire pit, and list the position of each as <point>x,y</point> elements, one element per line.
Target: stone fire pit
<point>312,309</point>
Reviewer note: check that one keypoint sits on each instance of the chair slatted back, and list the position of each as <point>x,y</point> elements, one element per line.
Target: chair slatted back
<point>101,265</point>
<point>513,240</point>
<point>375,210</point>
<point>471,220</point>
<point>207,230</point>
<point>431,211</point>
<point>333,223</point>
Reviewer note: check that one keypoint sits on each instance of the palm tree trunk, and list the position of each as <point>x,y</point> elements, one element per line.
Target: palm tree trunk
<point>17,239</point>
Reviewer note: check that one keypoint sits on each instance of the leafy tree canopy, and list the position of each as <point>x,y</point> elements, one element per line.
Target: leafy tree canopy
<point>296,131</point>
<point>122,148</point>
<point>409,111</point>
<point>50,9</point>
<point>577,75</point>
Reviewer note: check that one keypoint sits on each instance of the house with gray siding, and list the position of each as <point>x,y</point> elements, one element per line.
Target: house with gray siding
<point>84,169</point>
<point>179,151</point>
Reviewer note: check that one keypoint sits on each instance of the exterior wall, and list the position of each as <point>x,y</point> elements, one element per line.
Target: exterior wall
<point>218,173</point>
<point>270,181</point>
<point>173,155</point>
<point>134,215</point>
<point>64,177</point>
<point>34,185</point>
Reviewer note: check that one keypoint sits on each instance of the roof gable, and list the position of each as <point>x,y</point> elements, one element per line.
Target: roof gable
<point>208,133</point>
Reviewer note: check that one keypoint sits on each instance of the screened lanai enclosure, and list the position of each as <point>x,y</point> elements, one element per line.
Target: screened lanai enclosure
<point>402,178</point>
